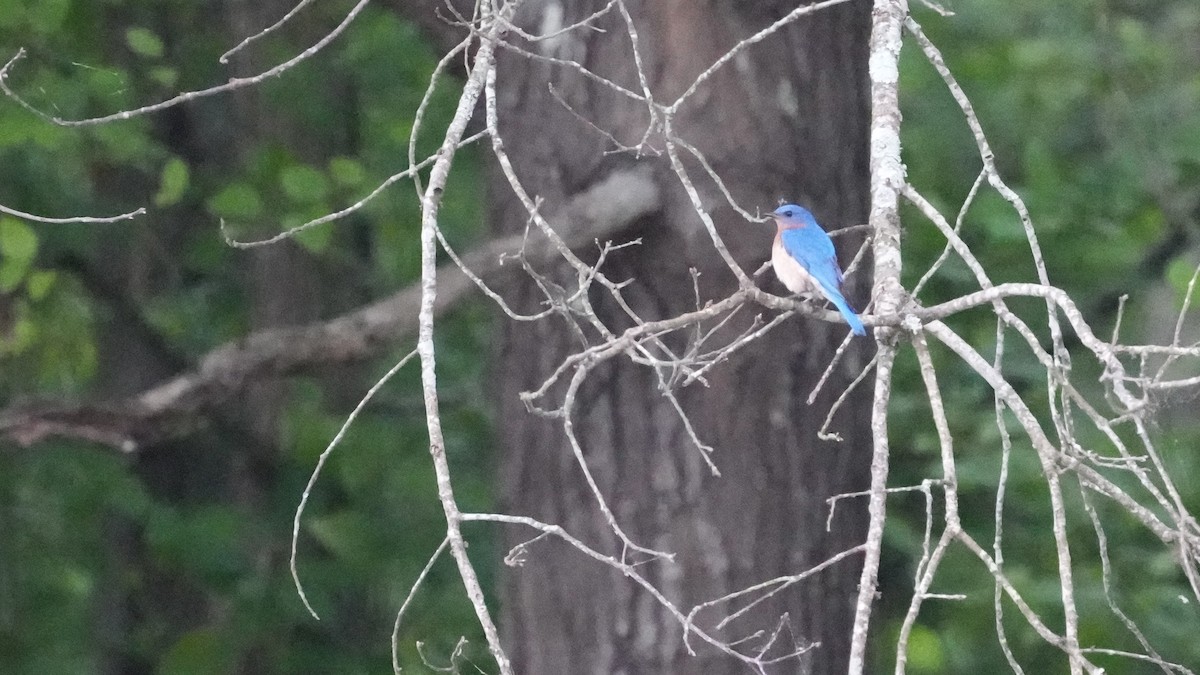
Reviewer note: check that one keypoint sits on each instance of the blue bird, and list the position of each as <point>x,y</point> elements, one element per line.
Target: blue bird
<point>805,261</point>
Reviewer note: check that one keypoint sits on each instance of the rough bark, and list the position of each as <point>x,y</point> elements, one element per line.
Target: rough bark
<point>788,119</point>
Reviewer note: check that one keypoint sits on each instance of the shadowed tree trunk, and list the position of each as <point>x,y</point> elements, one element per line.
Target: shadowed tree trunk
<point>237,463</point>
<point>786,119</point>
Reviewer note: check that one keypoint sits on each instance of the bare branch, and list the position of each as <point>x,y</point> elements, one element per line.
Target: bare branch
<point>231,85</point>
<point>431,201</point>
<point>179,405</point>
<point>412,593</point>
<point>224,58</point>
<point>72,219</point>
<point>744,44</point>
<point>312,479</point>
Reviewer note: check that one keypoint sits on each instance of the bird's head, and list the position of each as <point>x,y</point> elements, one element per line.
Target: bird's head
<point>790,215</point>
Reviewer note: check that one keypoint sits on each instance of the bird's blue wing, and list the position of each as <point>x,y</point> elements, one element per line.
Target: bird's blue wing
<point>813,249</point>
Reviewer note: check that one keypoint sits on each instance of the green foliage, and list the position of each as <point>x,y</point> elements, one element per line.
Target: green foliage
<point>57,514</point>
<point>1083,103</point>
<point>199,652</point>
<point>36,302</point>
<point>347,172</point>
<point>172,183</point>
<point>1181,273</point>
<point>144,42</point>
<point>925,653</point>
<point>173,539</point>
<point>238,200</point>
<point>1089,106</point>
<point>304,184</point>
<point>18,246</point>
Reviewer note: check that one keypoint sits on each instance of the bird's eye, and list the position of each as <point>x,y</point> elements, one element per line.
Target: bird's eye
<point>789,213</point>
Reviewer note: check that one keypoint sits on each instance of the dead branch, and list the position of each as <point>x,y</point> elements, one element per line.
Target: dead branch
<point>179,405</point>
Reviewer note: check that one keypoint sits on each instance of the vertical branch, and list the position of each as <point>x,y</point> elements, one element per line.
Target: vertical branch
<point>430,202</point>
<point>927,569</point>
<point>1066,579</point>
<point>1001,489</point>
<point>887,179</point>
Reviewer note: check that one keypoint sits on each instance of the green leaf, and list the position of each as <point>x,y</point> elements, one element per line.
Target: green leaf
<point>315,239</point>
<point>12,273</point>
<point>238,201</point>
<point>1179,274</point>
<point>16,129</point>
<point>925,653</point>
<point>144,42</point>
<point>39,283</point>
<point>199,652</point>
<point>18,241</point>
<point>304,184</point>
<point>347,172</point>
<point>172,183</point>
<point>18,247</point>
<point>45,16</point>
<point>165,75</point>
<point>19,338</point>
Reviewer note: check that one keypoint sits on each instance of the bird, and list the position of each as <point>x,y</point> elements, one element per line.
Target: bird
<point>805,261</point>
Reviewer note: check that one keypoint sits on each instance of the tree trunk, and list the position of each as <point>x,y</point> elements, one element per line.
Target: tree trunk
<point>786,119</point>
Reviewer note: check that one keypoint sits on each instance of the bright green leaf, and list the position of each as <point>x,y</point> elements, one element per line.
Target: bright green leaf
<point>18,246</point>
<point>347,172</point>
<point>238,201</point>
<point>19,338</point>
<point>39,283</point>
<point>1179,274</point>
<point>76,582</point>
<point>315,239</point>
<point>925,651</point>
<point>172,183</point>
<point>17,128</point>
<point>12,273</point>
<point>18,241</point>
<point>165,75</point>
<point>199,652</point>
<point>304,184</point>
<point>144,42</point>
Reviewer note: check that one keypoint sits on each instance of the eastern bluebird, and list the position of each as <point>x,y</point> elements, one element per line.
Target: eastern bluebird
<point>805,261</point>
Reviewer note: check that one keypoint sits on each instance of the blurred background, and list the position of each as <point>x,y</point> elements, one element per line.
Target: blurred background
<point>173,559</point>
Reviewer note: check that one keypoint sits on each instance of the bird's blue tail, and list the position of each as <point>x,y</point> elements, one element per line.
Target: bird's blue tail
<point>856,325</point>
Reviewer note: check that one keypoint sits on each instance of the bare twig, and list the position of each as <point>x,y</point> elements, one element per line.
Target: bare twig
<point>312,479</point>
<point>412,593</point>
<point>233,83</point>
<point>266,31</point>
<point>71,219</point>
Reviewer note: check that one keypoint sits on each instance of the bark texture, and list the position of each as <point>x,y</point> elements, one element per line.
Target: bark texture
<point>786,119</point>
